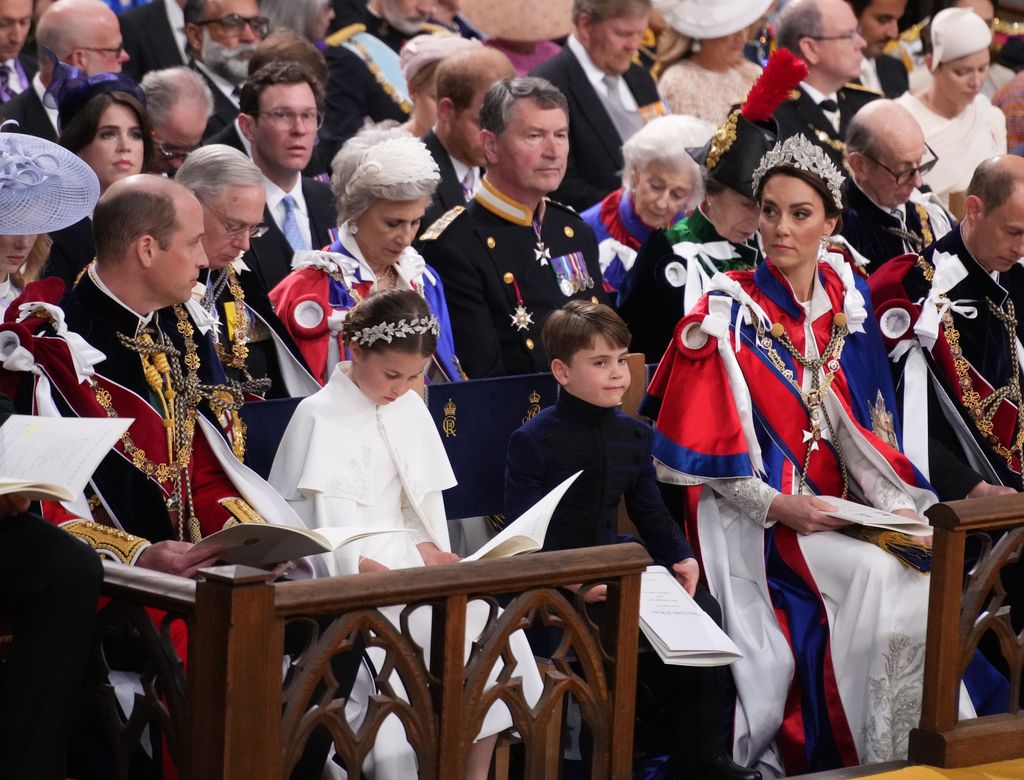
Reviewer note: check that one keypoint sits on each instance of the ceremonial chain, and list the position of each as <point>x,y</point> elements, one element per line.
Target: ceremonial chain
<point>981,411</point>
<point>821,380</point>
<point>240,340</point>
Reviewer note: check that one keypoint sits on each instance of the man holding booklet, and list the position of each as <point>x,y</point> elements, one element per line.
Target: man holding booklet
<point>587,344</point>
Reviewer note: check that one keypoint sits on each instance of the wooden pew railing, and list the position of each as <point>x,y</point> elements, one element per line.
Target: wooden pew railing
<point>960,613</point>
<point>235,715</point>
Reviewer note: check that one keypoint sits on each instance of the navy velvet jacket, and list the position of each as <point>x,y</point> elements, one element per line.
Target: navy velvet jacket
<point>614,451</point>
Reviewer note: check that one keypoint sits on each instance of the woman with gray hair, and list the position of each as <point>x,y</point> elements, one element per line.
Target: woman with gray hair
<point>309,18</point>
<point>661,184</point>
<point>383,180</point>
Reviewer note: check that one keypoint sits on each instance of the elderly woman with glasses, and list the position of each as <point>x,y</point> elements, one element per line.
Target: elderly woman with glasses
<point>958,121</point>
<point>382,182</point>
<point>661,184</point>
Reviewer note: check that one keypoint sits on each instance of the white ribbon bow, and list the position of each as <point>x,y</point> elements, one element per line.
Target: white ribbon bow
<point>83,355</point>
<point>722,283</point>
<point>328,262</point>
<point>609,249</point>
<point>949,272</point>
<point>336,320</point>
<point>853,302</point>
<point>201,317</point>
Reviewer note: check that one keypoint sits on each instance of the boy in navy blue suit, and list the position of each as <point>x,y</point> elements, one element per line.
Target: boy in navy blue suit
<point>587,344</point>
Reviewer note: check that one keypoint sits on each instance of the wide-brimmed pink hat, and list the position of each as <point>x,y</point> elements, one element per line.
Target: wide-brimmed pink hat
<point>529,21</point>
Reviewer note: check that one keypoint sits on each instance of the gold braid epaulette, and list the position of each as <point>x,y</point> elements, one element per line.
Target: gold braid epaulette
<point>108,542</point>
<point>342,35</point>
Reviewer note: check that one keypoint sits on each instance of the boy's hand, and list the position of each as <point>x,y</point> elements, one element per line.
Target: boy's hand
<point>594,595</point>
<point>687,571</point>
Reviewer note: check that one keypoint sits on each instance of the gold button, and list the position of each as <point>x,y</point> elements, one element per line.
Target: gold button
<point>593,299</point>
<point>569,232</point>
<point>529,343</point>
<point>490,242</point>
<point>508,278</point>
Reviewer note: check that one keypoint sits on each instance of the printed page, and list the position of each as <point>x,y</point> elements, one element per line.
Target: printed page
<point>680,631</point>
<point>54,457</point>
<point>525,534</point>
<point>876,518</point>
<point>263,544</point>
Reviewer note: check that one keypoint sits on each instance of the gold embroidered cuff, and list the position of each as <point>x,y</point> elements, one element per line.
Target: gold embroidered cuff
<point>106,541</point>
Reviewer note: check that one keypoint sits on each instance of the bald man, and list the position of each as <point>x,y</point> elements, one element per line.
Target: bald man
<point>952,321</point>
<point>454,142</point>
<point>83,33</point>
<point>824,34</point>
<point>886,213</point>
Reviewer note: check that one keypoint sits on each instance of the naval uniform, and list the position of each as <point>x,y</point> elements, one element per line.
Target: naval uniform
<point>504,270</point>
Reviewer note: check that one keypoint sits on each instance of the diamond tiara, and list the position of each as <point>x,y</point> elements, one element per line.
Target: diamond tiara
<point>388,331</point>
<point>800,153</point>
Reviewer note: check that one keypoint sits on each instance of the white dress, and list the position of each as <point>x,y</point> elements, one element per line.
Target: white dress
<point>344,461</point>
<point>961,143</point>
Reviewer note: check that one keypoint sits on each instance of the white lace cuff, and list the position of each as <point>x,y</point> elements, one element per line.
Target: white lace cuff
<point>748,495</point>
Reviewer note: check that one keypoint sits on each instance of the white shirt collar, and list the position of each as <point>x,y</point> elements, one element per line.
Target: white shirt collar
<point>246,143</point>
<point>275,195</point>
<point>814,94</point>
<point>220,82</point>
<point>594,74</point>
<point>14,79</point>
<point>461,169</point>
<point>176,19</point>
<point>37,85</point>
<point>144,319</point>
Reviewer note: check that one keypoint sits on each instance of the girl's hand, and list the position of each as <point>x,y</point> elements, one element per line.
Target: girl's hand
<point>432,556</point>
<point>594,595</point>
<point>804,514</point>
<point>687,571</point>
<point>925,540</point>
<point>367,565</point>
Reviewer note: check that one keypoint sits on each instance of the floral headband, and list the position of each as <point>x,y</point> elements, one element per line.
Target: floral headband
<point>389,331</point>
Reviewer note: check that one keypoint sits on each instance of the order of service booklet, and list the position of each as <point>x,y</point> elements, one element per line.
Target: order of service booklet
<point>263,544</point>
<point>876,518</point>
<point>526,533</point>
<point>52,458</point>
<point>680,631</point>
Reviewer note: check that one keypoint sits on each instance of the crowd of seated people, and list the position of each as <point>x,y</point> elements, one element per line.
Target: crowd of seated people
<point>804,212</point>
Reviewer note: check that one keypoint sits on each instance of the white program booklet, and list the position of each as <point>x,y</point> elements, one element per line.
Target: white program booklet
<point>263,544</point>
<point>680,631</point>
<point>52,458</point>
<point>876,518</point>
<point>526,533</point>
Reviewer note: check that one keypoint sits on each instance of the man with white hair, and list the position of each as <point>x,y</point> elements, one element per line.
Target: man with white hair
<point>222,37</point>
<point>885,213</point>
<point>825,35</point>
<point>83,33</point>
<point>179,104</point>
<point>391,21</point>
<point>231,299</point>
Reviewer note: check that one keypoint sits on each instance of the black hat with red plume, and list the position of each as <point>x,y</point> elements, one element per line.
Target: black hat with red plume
<point>749,131</point>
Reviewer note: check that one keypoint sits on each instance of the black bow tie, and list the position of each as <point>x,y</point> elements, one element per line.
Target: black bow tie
<point>828,105</point>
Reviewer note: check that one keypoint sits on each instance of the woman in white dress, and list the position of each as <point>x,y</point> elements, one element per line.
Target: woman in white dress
<point>960,124</point>
<point>363,451</point>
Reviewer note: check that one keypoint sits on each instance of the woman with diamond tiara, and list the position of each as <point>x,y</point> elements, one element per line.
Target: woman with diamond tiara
<point>363,451</point>
<point>775,398</point>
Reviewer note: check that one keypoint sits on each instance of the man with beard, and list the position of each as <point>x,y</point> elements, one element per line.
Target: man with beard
<point>455,141</point>
<point>222,36</point>
<point>392,21</point>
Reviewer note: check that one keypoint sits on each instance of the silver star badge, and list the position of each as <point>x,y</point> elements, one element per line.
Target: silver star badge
<point>522,319</point>
<point>542,254</point>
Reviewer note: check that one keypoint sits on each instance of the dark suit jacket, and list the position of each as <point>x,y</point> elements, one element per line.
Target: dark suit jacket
<point>801,115</point>
<point>149,40</point>
<point>270,255</point>
<point>73,249</point>
<point>595,149</point>
<point>28,111</point>
<point>227,135</point>
<point>892,73</point>
<point>224,111</point>
<point>353,95</point>
<point>28,64</point>
<point>449,189</point>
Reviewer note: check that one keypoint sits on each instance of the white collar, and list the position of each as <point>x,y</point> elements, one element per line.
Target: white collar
<point>246,143</point>
<point>275,194</point>
<point>219,81</point>
<point>461,169</point>
<point>37,85</point>
<point>594,74</point>
<point>144,319</point>
<point>816,95</point>
<point>410,266</point>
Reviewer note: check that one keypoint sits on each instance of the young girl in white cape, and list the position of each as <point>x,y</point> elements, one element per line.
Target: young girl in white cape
<point>363,451</point>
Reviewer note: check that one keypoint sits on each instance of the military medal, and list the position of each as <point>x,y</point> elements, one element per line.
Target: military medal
<point>572,274</point>
<point>522,319</point>
<point>540,252</point>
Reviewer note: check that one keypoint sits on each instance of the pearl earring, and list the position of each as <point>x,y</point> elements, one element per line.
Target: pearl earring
<point>353,228</point>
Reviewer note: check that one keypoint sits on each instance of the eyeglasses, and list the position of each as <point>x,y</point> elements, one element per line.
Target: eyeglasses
<point>236,229</point>
<point>233,23</point>
<point>908,175</point>
<point>171,152</point>
<point>284,119</point>
<point>114,52</point>
<point>848,37</point>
